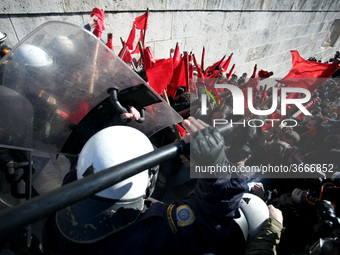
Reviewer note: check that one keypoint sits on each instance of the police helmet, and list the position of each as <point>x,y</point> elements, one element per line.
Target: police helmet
<point>118,206</point>
<point>33,56</point>
<point>3,37</point>
<point>254,212</point>
<point>64,44</point>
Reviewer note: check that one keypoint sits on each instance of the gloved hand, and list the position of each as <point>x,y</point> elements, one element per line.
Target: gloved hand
<point>207,148</point>
<point>14,172</point>
<point>206,143</point>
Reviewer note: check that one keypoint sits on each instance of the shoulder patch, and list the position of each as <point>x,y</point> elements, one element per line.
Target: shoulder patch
<point>185,216</point>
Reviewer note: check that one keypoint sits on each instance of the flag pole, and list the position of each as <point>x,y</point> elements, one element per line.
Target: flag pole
<point>202,59</point>
<point>124,48</point>
<point>145,26</point>
<point>186,62</point>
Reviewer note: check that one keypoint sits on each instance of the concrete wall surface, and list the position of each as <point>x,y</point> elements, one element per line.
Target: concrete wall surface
<point>258,32</point>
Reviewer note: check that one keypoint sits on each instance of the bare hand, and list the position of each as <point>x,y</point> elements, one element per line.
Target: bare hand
<point>191,126</point>
<point>134,114</point>
<point>258,190</point>
<point>275,213</point>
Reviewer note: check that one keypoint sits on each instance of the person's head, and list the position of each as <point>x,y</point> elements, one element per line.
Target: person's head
<point>180,91</point>
<point>313,122</point>
<point>332,141</point>
<point>274,153</point>
<point>187,97</point>
<point>220,112</point>
<point>291,137</point>
<point>316,110</point>
<point>119,205</point>
<point>334,115</point>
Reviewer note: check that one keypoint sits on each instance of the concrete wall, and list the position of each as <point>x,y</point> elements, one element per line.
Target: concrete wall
<point>258,32</point>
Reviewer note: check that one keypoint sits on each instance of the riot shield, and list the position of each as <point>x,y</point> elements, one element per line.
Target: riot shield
<point>64,72</point>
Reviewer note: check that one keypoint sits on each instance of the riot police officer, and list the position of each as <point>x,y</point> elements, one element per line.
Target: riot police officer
<point>119,220</point>
<point>4,49</point>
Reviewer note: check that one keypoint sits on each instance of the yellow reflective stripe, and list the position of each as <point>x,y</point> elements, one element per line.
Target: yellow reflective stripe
<point>170,219</point>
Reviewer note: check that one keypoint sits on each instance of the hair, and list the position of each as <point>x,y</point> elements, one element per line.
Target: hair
<point>318,120</point>
<point>292,135</point>
<point>142,74</point>
<point>187,97</point>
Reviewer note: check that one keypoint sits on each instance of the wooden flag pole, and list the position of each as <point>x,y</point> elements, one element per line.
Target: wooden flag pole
<point>124,48</point>
<point>186,62</point>
<point>145,26</point>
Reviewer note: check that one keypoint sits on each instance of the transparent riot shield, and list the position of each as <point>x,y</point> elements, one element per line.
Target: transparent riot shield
<point>64,72</point>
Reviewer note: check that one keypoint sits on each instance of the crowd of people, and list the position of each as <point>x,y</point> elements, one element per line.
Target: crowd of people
<point>196,216</point>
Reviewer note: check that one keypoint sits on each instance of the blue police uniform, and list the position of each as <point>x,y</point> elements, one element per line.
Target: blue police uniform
<point>195,225</point>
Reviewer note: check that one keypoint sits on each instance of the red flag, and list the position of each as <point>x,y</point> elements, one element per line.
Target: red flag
<point>109,42</point>
<point>177,56</point>
<point>226,63</point>
<point>141,22</point>
<point>127,55</point>
<point>264,74</point>
<point>131,39</point>
<point>140,40</point>
<point>254,72</point>
<point>158,71</point>
<point>181,130</point>
<point>212,68</point>
<point>230,72</point>
<point>198,68</point>
<point>307,74</point>
<point>99,26</point>
<point>179,79</point>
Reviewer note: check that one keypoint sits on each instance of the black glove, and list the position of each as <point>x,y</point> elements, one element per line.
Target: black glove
<point>207,148</point>
<point>14,172</point>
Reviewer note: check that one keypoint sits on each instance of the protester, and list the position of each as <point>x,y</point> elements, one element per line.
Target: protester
<point>269,237</point>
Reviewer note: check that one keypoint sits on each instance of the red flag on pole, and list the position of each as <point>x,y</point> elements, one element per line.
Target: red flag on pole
<point>264,74</point>
<point>213,67</point>
<point>140,39</point>
<point>127,58</point>
<point>177,56</point>
<point>308,74</point>
<point>254,72</point>
<point>226,63</point>
<point>131,39</point>
<point>109,42</point>
<point>141,22</point>
<point>230,72</point>
<point>179,79</point>
<point>99,26</point>
<point>198,68</point>
<point>158,71</point>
